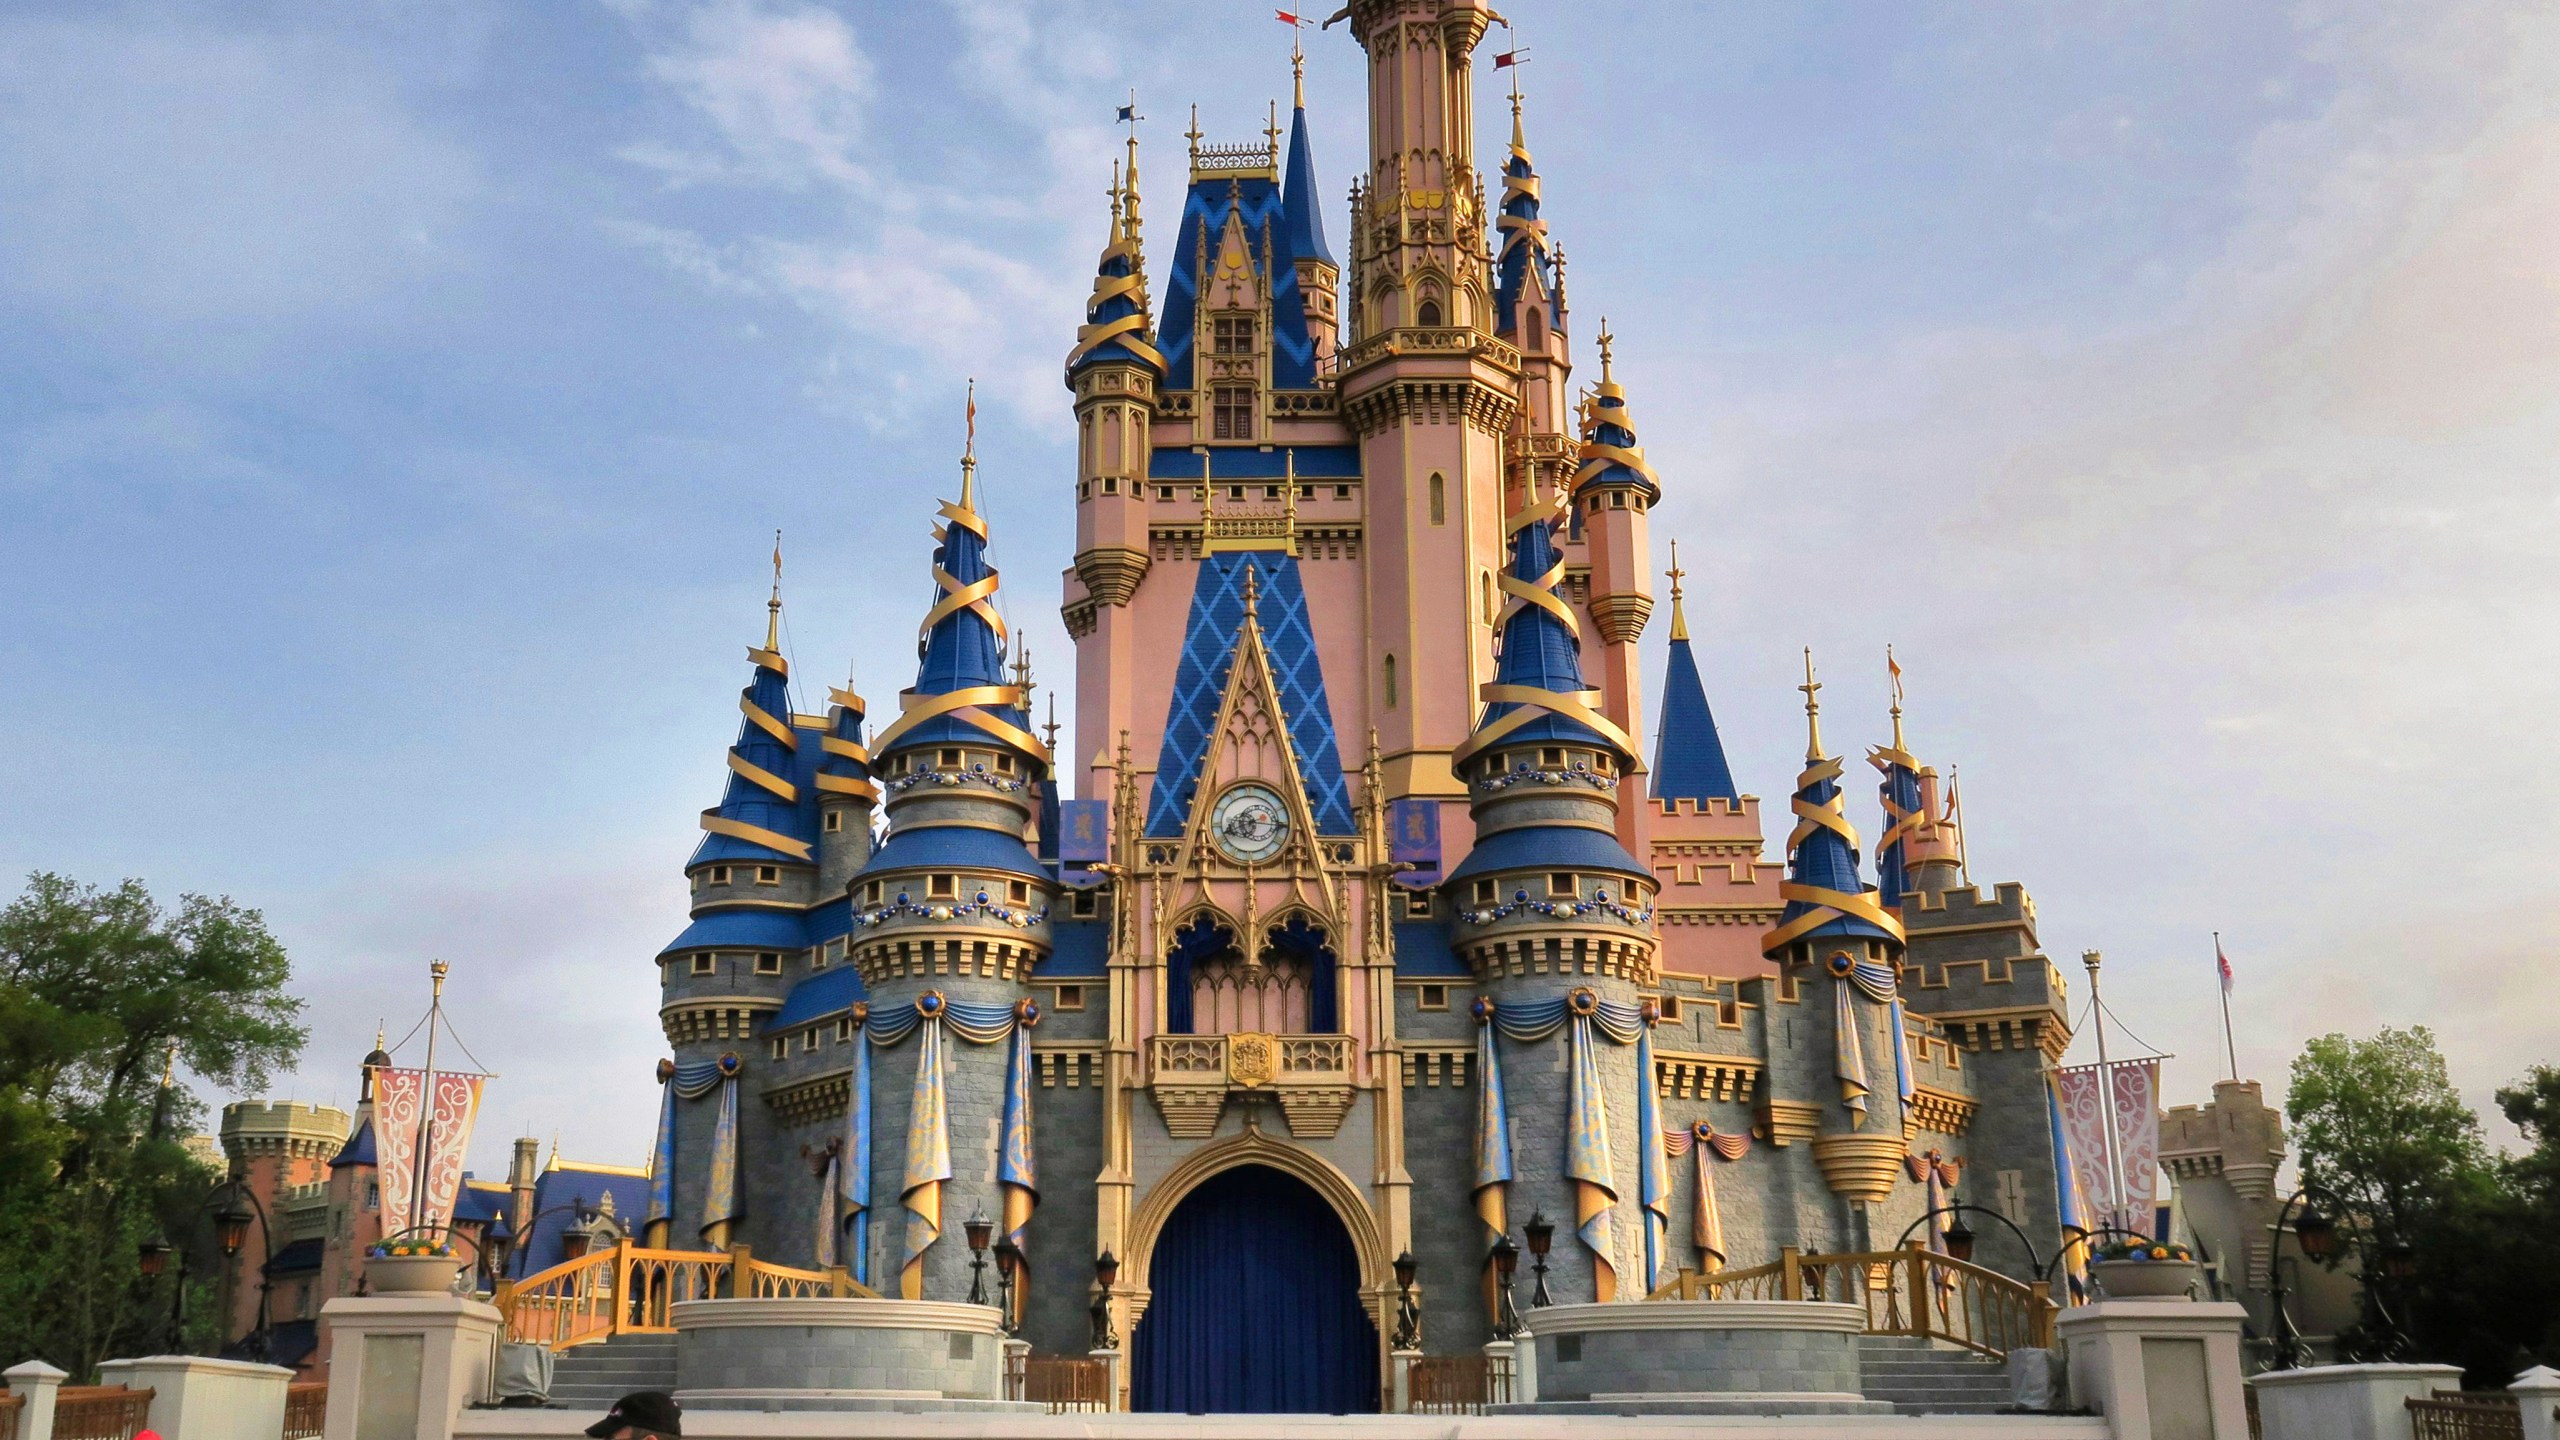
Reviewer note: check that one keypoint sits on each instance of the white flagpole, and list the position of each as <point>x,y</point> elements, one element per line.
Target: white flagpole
<point>2222,982</point>
<point>2106,1093</point>
<point>427,1101</point>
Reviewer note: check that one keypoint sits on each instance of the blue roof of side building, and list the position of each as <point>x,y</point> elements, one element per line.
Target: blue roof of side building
<point>1200,687</point>
<point>1078,950</point>
<point>557,1189</point>
<point>1204,216</point>
<point>1423,949</point>
<point>358,1150</point>
<point>1302,206</point>
<point>830,991</point>
<point>297,1257</point>
<point>1254,462</point>
<point>1546,847</point>
<point>290,1341</point>
<point>1688,755</point>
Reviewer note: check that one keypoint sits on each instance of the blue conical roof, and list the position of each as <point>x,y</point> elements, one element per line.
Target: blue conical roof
<point>1825,897</point>
<point>1115,327</point>
<point>1524,244</point>
<point>962,648</point>
<point>1540,650</point>
<point>1688,755</point>
<point>1610,454</point>
<point>768,812</point>
<point>1302,205</point>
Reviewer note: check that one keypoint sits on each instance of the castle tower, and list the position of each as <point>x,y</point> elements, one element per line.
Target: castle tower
<point>1114,370</point>
<point>1429,391</point>
<point>846,795</point>
<point>1550,909</point>
<point>274,1147</point>
<point>1919,853</point>
<point>1302,228</point>
<point>953,910</point>
<point>1613,489</point>
<point>1840,952</point>
<point>1529,312</point>
<point>524,1170</point>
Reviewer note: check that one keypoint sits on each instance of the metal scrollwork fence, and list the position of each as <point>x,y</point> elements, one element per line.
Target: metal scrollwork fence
<point>2455,1415</point>
<point>631,1290</point>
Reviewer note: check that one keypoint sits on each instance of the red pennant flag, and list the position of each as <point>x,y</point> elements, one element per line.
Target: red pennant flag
<point>2222,962</point>
<point>1286,18</point>
<point>1506,59</point>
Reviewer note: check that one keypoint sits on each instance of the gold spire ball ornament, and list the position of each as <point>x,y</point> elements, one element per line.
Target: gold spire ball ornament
<point>773,603</point>
<point>1812,689</point>
<point>1679,617</point>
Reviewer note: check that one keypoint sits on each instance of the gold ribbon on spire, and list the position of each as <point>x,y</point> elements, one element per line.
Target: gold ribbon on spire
<point>1598,455</point>
<point>1825,905</point>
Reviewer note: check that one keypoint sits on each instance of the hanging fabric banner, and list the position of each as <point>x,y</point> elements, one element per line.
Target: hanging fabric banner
<point>1017,1167</point>
<point>854,1179</point>
<point>1084,833</point>
<point>720,1185</point>
<point>1587,1160</point>
<point>829,1181</point>
<point>2066,1181</point>
<point>2086,1116</point>
<point>2137,1119</point>
<point>1653,1186</point>
<point>398,1095</point>
<point>1706,1218</point>
<point>662,1151</point>
<point>929,1116</point>
<point>1849,1051</point>
<point>420,1190</point>
<point>1414,844</point>
<point>1493,1149</point>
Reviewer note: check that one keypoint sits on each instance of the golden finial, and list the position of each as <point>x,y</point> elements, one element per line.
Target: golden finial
<point>1193,135</point>
<point>1049,731</point>
<point>1812,709</point>
<point>969,455</point>
<point>1271,132</point>
<point>773,604</point>
<point>1893,668</point>
<point>1298,58</point>
<point>1252,592</point>
<point>1606,340</point>
<point>1512,60</point>
<point>1022,673</point>
<point>1679,617</point>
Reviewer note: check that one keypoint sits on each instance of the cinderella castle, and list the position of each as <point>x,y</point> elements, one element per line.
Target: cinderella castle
<point>1371,918</point>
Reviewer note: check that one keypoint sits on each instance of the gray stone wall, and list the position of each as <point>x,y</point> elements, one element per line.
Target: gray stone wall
<point>1658,1362</point>
<point>958,1365</point>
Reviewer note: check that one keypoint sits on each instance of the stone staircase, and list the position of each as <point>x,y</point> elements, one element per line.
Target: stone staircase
<point>1923,1378</point>
<point>592,1377</point>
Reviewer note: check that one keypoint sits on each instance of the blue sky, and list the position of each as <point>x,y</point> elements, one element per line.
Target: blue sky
<point>398,400</point>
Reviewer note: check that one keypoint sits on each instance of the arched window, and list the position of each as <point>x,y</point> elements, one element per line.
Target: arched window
<point>1491,607</point>
<point>1427,315</point>
<point>1537,329</point>
<point>1439,499</point>
<point>1391,682</point>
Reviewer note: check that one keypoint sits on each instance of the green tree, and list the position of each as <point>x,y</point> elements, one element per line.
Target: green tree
<point>2380,1126</point>
<point>100,991</point>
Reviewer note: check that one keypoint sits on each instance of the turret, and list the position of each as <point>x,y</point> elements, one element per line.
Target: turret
<point>846,794</point>
<point>1115,371</point>
<point>1613,489</point>
<point>1302,230</point>
<point>953,909</point>
<point>1688,753</point>
<point>1550,908</point>
<point>1528,306</point>
<point>1920,852</point>
<point>1842,951</point>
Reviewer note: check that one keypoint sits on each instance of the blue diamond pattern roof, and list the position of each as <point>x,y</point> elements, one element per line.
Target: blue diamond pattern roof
<point>1200,685</point>
<point>1204,218</point>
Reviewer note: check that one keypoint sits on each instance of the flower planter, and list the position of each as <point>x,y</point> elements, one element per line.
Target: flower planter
<point>2147,1279</point>
<point>411,1274</point>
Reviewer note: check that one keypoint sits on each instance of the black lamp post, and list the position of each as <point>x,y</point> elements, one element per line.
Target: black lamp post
<point>495,1243</point>
<point>234,1206</point>
<point>1106,1270</point>
<point>1960,1240</point>
<point>2317,1234</point>
<point>154,1262</point>
<point>981,1231</point>
<point>1506,1263</point>
<point>1408,1314</point>
<point>1542,1235</point>
<point>1008,1265</point>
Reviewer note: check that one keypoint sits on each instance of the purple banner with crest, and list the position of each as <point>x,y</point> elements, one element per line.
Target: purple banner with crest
<point>1413,831</point>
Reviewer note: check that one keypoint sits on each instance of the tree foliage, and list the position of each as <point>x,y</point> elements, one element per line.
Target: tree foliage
<point>2383,1131</point>
<point>102,993</point>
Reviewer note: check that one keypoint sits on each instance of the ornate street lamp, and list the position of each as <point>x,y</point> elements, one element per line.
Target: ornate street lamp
<point>1408,1314</point>
<point>980,1231</point>
<point>1959,1239</point>
<point>1008,1265</point>
<point>1542,1235</point>
<point>1106,1271</point>
<point>154,1258</point>
<point>2317,1235</point>
<point>1506,1263</point>
<point>233,1207</point>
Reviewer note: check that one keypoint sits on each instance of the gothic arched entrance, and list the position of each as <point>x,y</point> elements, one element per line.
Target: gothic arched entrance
<point>1256,1305</point>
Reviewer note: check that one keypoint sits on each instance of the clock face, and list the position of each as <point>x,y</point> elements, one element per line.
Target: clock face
<point>1249,824</point>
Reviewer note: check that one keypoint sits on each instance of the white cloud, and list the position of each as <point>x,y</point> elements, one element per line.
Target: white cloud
<point>787,86</point>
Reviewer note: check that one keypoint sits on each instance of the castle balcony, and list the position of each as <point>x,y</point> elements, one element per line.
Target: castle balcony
<point>1192,1077</point>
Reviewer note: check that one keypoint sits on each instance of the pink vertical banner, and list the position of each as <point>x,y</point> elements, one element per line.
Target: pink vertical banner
<point>2084,1130</point>
<point>398,1097</point>
<point>457,1105</point>
<point>2137,1120</point>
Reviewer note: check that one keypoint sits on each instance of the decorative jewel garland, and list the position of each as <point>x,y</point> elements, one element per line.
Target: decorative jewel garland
<point>976,774</point>
<point>1521,774</point>
<point>952,910</point>
<point>1598,904</point>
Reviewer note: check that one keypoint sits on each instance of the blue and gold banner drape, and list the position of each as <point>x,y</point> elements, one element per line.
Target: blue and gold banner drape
<point>853,1178</point>
<point>929,1115</point>
<point>1877,981</point>
<point>720,1185</point>
<point>1493,1149</point>
<point>1584,1017</point>
<point>1706,1218</point>
<point>690,1082</point>
<point>1653,1188</point>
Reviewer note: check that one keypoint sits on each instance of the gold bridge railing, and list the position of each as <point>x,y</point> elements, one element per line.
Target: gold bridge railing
<point>631,1290</point>
<point>1059,1383</point>
<point>1456,1384</point>
<point>1904,1292</point>
<point>2457,1415</point>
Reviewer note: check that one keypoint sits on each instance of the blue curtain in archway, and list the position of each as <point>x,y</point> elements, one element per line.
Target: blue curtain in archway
<point>1257,1306</point>
<point>1305,943</point>
<point>1200,941</point>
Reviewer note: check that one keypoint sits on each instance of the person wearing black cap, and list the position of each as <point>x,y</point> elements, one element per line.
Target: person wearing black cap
<point>640,1415</point>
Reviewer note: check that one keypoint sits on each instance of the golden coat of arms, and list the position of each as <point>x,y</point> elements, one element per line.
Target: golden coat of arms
<point>1252,1059</point>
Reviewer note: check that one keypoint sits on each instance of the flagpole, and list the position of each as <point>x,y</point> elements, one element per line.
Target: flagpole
<point>2222,975</point>
<point>426,1101</point>
<point>2106,1092</point>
